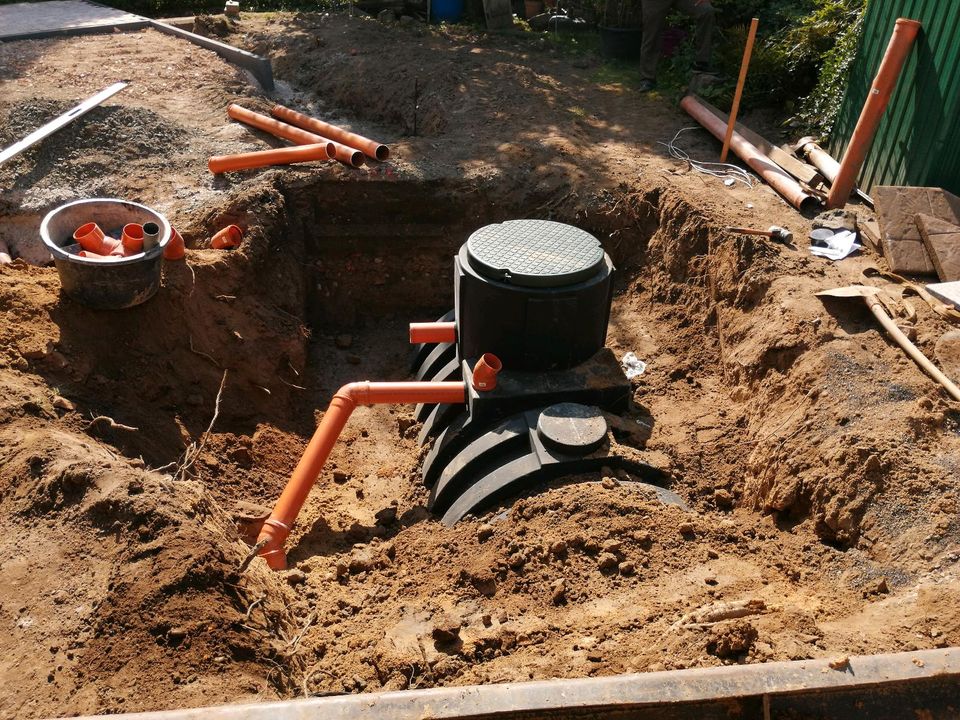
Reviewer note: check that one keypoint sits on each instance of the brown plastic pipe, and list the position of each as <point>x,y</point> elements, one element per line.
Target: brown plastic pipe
<point>433,332</point>
<point>276,156</point>
<point>277,527</point>
<point>735,107</point>
<point>370,148</point>
<point>904,33</point>
<point>771,173</point>
<point>277,128</point>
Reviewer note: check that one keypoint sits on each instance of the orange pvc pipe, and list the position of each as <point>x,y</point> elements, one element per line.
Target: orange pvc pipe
<point>174,249</point>
<point>904,33</point>
<point>485,372</point>
<point>370,148</point>
<point>772,174</point>
<point>261,158</point>
<point>744,64</point>
<point>277,527</point>
<point>277,128</point>
<point>228,238</point>
<point>433,332</point>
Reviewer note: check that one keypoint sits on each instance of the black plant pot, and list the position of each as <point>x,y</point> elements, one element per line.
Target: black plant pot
<point>620,43</point>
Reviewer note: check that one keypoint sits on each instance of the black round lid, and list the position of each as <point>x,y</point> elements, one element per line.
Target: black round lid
<point>534,253</point>
<point>572,427</point>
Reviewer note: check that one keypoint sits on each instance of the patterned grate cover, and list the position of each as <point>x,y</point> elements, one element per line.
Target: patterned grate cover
<point>534,253</point>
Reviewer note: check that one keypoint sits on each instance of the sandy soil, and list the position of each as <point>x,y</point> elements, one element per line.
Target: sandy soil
<point>820,466</point>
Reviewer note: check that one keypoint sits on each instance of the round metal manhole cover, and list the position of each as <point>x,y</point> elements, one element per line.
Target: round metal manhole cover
<point>572,427</point>
<point>534,253</point>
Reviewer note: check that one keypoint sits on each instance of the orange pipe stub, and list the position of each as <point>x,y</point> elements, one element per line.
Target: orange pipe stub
<point>485,372</point>
<point>175,248</point>
<point>433,332</point>
<point>228,238</point>
<point>278,526</point>
<point>132,238</point>
<point>370,148</point>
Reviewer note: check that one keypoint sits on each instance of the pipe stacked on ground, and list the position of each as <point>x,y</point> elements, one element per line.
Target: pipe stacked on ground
<point>370,148</point>
<point>345,147</point>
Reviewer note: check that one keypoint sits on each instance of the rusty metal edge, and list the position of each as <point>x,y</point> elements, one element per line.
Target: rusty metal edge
<point>867,674</point>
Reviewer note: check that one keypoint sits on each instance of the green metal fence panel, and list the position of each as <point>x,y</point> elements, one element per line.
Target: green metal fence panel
<point>918,141</point>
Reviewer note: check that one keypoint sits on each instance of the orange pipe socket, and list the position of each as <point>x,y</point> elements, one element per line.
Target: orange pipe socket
<point>370,148</point>
<point>485,372</point>
<point>175,248</point>
<point>262,158</point>
<point>433,332</point>
<point>277,527</point>
<point>227,239</point>
<point>904,33</point>
<point>771,173</point>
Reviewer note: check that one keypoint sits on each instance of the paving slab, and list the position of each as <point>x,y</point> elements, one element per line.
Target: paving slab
<point>942,240</point>
<point>897,208</point>
<point>30,21</point>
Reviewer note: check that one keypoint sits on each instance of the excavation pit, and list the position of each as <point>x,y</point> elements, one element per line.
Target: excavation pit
<point>817,469</point>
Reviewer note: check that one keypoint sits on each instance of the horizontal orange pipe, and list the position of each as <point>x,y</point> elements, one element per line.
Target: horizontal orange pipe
<point>277,527</point>
<point>904,33</point>
<point>275,127</point>
<point>370,148</point>
<point>335,150</point>
<point>433,332</point>
<point>277,156</point>
<point>771,173</point>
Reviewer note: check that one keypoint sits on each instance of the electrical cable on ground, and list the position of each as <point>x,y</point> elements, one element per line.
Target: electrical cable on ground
<point>723,171</point>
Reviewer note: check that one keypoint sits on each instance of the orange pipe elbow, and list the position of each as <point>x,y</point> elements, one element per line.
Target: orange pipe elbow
<point>262,158</point>
<point>433,332</point>
<point>904,33</point>
<point>175,248</point>
<point>485,372</point>
<point>370,148</point>
<point>277,527</point>
<point>228,238</point>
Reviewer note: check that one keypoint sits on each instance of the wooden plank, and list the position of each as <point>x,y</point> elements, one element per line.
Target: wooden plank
<point>65,119</point>
<point>793,165</point>
<point>498,14</point>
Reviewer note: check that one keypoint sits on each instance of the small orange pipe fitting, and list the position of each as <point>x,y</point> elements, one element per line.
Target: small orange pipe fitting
<point>230,237</point>
<point>90,237</point>
<point>132,238</point>
<point>904,33</point>
<point>277,156</point>
<point>370,148</point>
<point>485,372</point>
<point>175,248</point>
<point>278,526</point>
<point>433,332</point>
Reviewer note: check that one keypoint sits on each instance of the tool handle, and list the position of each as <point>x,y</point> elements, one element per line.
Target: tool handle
<point>912,350</point>
<point>749,231</point>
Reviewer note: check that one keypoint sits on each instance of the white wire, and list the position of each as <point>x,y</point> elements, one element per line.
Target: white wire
<point>724,171</point>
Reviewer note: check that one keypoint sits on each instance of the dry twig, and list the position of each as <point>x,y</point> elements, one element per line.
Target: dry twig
<point>193,452</point>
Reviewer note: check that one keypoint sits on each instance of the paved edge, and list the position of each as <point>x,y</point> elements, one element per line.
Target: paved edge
<point>258,66</point>
<point>923,677</point>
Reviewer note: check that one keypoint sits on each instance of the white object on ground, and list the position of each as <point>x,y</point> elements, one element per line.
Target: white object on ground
<point>949,292</point>
<point>632,365</point>
<point>838,246</point>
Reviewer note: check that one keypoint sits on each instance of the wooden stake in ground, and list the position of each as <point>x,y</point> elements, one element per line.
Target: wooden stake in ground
<point>747,52</point>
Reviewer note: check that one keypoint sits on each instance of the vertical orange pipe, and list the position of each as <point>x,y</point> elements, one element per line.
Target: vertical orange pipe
<point>277,527</point>
<point>744,64</point>
<point>904,33</point>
